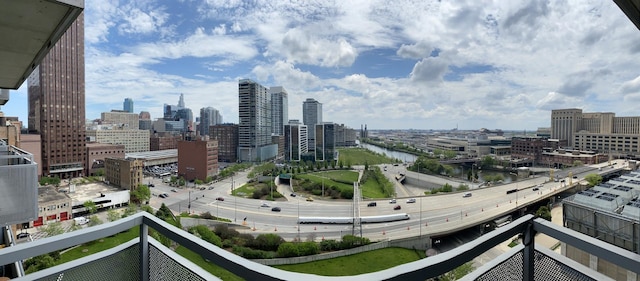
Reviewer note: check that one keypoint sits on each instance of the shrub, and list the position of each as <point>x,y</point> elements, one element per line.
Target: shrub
<point>351,241</point>
<point>224,232</point>
<point>347,194</point>
<point>249,253</point>
<point>288,249</point>
<point>268,242</point>
<point>329,245</point>
<point>206,234</point>
<point>308,248</point>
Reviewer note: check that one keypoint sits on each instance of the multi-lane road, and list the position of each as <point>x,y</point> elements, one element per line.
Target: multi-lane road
<point>435,214</point>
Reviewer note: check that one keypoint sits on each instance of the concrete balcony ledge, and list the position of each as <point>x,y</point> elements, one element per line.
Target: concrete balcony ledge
<point>146,259</point>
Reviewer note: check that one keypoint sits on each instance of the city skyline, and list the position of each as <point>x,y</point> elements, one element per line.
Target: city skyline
<point>425,65</point>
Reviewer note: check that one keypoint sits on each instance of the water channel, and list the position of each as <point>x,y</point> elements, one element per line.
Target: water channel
<point>460,170</point>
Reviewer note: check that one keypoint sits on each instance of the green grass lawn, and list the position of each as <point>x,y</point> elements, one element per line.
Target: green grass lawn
<point>366,262</point>
<point>99,245</point>
<point>328,176</point>
<point>360,156</point>
<point>371,189</point>
<point>246,190</point>
<point>208,266</point>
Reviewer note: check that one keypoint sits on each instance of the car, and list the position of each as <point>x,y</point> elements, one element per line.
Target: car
<point>152,185</point>
<point>264,204</point>
<point>392,201</point>
<point>397,207</point>
<point>220,198</point>
<point>575,177</point>
<point>535,188</point>
<point>467,194</point>
<point>22,235</point>
<point>412,200</point>
<point>163,195</point>
<point>395,165</point>
<point>210,187</point>
<point>276,209</point>
<point>173,190</point>
<point>293,194</point>
<point>372,204</point>
<point>203,188</point>
<point>309,199</point>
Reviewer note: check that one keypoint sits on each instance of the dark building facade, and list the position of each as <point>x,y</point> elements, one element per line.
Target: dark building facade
<point>197,159</point>
<point>325,142</point>
<point>163,141</point>
<point>57,105</point>
<point>532,148</point>
<point>227,137</point>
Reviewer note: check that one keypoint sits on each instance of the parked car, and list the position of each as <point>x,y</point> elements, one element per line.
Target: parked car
<point>210,187</point>
<point>372,204</point>
<point>220,198</point>
<point>397,207</point>
<point>412,200</point>
<point>22,235</point>
<point>203,188</point>
<point>276,209</point>
<point>392,201</point>
<point>152,185</point>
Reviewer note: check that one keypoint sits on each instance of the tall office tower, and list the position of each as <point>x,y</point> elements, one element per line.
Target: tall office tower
<point>311,116</point>
<point>181,101</point>
<point>127,105</point>
<point>57,107</point>
<point>325,141</point>
<point>565,123</point>
<point>279,109</point>
<point>254,132</point>
<point>295,141</point>
<point>209,116</point>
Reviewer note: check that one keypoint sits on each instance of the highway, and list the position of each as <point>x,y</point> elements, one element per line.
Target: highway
<point>430,215</point>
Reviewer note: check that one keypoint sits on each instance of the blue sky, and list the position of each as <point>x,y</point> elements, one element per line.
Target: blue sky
<point>414,64</point>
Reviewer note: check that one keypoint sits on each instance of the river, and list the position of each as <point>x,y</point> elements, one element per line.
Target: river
<point>459,170</point>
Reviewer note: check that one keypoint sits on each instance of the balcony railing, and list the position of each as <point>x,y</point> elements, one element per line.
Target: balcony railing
<point>144,258</point>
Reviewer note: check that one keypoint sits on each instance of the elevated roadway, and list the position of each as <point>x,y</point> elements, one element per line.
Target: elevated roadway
<point>435,215</point>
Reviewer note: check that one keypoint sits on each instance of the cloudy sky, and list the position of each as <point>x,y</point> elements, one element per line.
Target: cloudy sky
<point>389,64</point>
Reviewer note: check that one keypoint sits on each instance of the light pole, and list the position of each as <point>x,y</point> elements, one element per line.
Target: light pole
<point>189,205</point>
<point>323,174</point>
<point>235,203</point>
<point>270,185</point>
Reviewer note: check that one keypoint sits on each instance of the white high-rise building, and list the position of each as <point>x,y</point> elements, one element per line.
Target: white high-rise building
<point>279,109</point>
<point>254,128</point>
<point>311,116</point>
<point>209,116</point>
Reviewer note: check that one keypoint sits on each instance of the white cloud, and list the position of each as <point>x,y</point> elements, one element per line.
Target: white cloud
<point>543,55</point>
<point>430,69</point>
<point>200,44</point>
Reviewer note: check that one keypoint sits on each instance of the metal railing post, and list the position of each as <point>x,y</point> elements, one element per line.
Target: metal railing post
<point>528,259</point>
<point>144,252</point>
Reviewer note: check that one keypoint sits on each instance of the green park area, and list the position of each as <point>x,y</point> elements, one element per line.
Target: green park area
<point>362,156</point>
<point>361,263</point>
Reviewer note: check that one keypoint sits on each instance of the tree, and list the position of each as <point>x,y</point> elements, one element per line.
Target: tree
<point>366,165</point>
<point>39,263</point>
<point>543,212</point>
<point>112,215</point>
<point>197,181</point>
<point>94,220</point>
<point>90,206</point>
<point>140,194</point>
<point>577,163</point>
<point>593,179</point>
<point>487,161</point>
<point>54,228</point>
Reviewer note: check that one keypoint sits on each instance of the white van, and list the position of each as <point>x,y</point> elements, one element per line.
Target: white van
<point>81,220</point>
